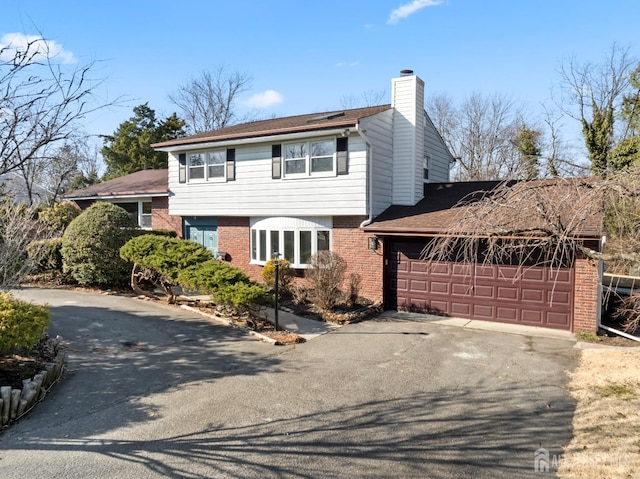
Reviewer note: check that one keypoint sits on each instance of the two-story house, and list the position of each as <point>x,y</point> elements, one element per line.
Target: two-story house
<point>302,184</point>
<point>372,185</point>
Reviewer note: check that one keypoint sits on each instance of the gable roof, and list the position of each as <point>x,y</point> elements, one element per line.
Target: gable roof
<point>290,124</point>
<point>140,183</point>
<point>445,203</point>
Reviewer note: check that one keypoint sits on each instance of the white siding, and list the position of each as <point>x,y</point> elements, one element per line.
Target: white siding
<point>378,130</point>
<point>255,193</point>
<point>440,156</point>
<point>408,139</point>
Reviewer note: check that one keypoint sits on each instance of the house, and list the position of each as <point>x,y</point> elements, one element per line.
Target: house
<point>144,194</point>
<point>356,182</point>
<point>302,184</point>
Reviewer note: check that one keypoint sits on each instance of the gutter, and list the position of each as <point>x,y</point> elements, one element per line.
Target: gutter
<point>369,175</point>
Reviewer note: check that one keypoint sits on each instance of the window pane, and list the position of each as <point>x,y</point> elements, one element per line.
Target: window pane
<point>146,208</point>
<point>322,164</point>
<point>294,166</point>
<point>323,241</point>
<point>305,246</point>
<point>254,245</point>
<point>322,148</point>
<point>145,221</point>
<point>216,171</point>
<point>263,245</point>
<point>289,246</point>
<point>196,159</point>
<point>217,157</point>
<point>275,240</point>
<point>295,150</point>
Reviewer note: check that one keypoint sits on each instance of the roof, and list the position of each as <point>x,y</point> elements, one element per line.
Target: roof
<point>140,183</point>
<point>453,208</point>
<point>290,124</point>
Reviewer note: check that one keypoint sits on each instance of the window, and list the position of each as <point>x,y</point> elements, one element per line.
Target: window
<point>145,215</point>
<point>316,157</point>
<point>196,166</point>
<point>295,158</point>
<point>216,164</point>
<point>425,167</point>
<point>295,239</point>
<point>207,165</point>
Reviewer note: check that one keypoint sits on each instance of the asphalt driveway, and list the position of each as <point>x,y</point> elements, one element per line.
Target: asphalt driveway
<point>153,391</point>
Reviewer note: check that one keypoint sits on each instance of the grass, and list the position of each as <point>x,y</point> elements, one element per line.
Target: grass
<point>605,444</point>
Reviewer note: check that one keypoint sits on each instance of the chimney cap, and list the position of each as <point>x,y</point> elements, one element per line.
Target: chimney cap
<point>405,73</point>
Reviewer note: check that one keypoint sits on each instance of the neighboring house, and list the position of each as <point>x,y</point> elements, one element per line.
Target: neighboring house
<point>143,194</point>
<point>13,185</point>
<point>302,184</point>
<point>338,181</point>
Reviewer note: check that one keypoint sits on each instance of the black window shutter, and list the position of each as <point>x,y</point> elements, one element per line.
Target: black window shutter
<point>231,164</point>
<point>182,167</point>
<point>342,147</point>
<point>276,161</point>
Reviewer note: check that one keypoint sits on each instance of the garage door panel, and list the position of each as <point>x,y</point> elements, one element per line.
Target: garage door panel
<point>507,294</point>
<point>439,287</point>
<point>537,296</point>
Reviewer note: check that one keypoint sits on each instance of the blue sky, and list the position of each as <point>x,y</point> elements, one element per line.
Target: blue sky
<point>308,55</point>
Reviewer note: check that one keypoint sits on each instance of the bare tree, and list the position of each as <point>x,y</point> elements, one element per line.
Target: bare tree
<point>41,101</point>
<point>482,135</point>
<point>18,228</point>
<point>592,94</point>
<point>366,98</point>
<point>208,102</point>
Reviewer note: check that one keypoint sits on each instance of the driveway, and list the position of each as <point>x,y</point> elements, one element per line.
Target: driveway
<point>153,391</point>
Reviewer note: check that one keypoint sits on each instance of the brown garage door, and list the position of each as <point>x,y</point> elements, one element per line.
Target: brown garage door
<point>536,296</point>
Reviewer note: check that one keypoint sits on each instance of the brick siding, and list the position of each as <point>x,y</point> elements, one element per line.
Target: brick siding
<point>234,238</point>
<point>160,217</point>
<point>585,296</point>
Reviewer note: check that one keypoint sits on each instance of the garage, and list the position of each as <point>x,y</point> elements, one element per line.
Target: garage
<point>533,296</point>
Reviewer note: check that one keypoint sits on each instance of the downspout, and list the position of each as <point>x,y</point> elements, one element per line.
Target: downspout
<point>599,324</point>
<point>369,176</point>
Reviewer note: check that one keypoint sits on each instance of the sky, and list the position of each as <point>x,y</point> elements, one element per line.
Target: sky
<point>306,56</point>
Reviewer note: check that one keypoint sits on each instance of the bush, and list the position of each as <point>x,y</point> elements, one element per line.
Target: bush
<point>285,274</point>
<point>168,256</point>
<point>59,216</point>
<point>91,245</point>
<point>226,285</point>
<point>21,323</point>
<point>45,254</point>
<point>326,272</point>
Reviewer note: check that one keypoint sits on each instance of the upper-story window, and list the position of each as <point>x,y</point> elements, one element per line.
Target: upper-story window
<point>309,157</point>
<point>209,165</point>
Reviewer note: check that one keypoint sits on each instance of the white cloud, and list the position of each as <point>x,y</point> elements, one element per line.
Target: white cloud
<point>410,8</point>
<point>265,99</point>
<point>10,43</point>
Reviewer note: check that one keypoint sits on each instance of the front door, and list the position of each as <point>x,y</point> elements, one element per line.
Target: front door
<point>203,231</point>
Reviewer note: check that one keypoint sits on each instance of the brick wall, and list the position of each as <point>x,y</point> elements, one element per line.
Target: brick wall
<point>160,217</point>
<point>350,242</point>
<point>234,238</point>
<point>586,297</point>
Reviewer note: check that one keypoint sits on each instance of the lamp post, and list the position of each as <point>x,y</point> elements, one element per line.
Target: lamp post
<point>276,264</point>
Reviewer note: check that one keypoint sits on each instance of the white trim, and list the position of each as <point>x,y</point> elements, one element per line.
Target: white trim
<point>105,198</point>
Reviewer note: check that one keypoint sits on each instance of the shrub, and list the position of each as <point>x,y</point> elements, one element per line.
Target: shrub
<point>21,323</point>
<point>285,274</point>
<point>45,254</point>
<point>163,232</point>
<point>326,272</point>
<point>166,255</point>
<point>353,289</point>
<point>59,216</point>
<point>226,284</point>
<point>92,242</point>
